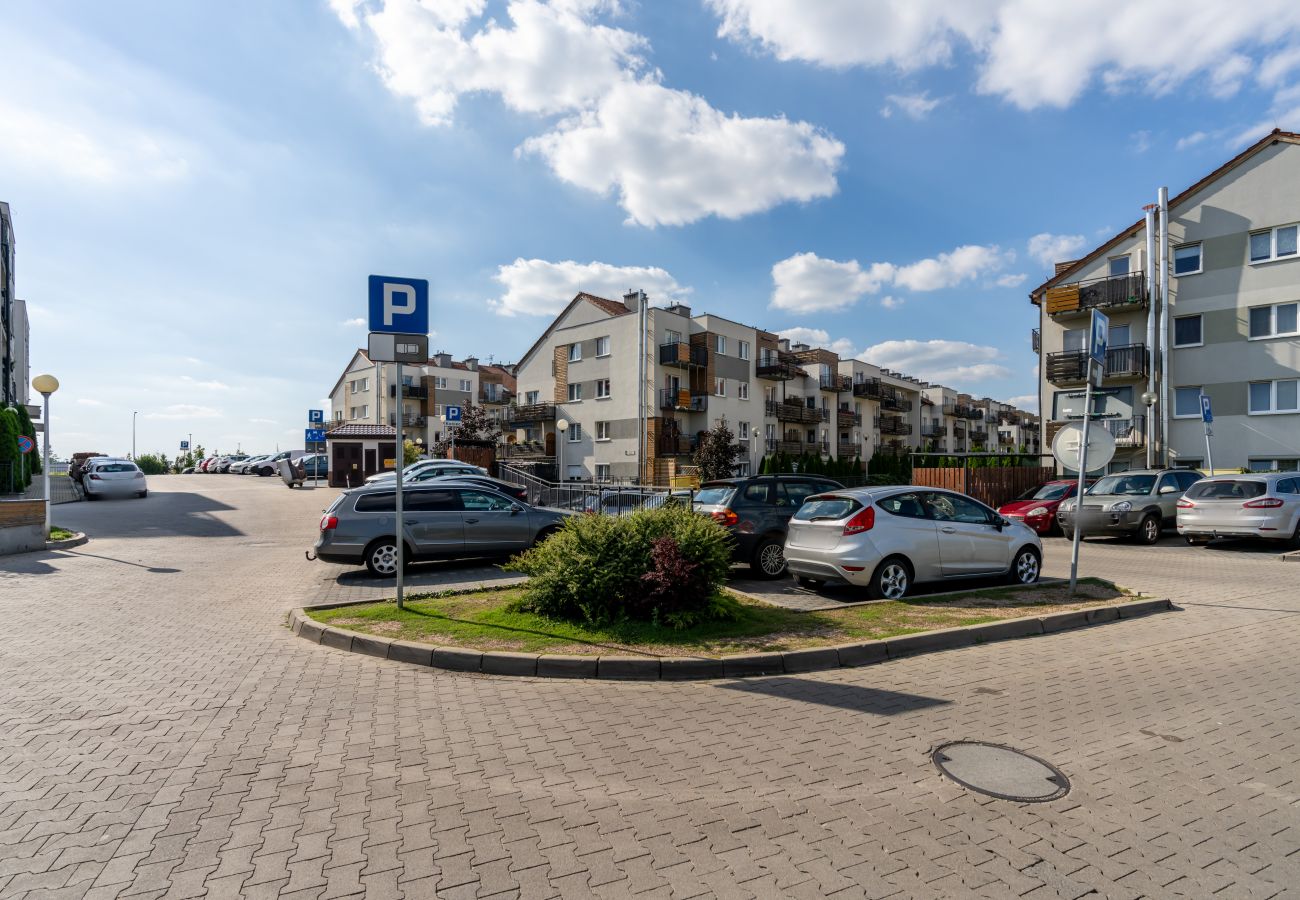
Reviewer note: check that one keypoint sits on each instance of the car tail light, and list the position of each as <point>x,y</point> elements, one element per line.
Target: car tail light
<point>865,520</point>
<point>1266,503</point>
<point>725,517</point>
<point>1186,504</point>
<point>329,523</point>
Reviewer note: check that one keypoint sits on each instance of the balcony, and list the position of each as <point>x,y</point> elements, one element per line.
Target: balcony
<point>979,436</point>
<point>1124,361</point>
<point>792,447</point>
<point>533,412</point>
<point>822,447</point>
<point>847,418</point>
<point>933,430</point>
<point>962,411</point>
<point>525,450</point>
<point>1036,339</point>
<point>778,368</point>
<point>847,450</point>
<point>1128,432</point>
<point>1115,292</point>
<point>869,387</point>
<point>793,411</point>
<point>408,421</point>
<point>896,404</point>
<point>683,400</point>
<point>835,383</point>
<point>682,355</point>
<point>673,445</point>
<point>1006,439</point>
<point>494,395</point>
<point>894,425</point>
<point>410,391</point>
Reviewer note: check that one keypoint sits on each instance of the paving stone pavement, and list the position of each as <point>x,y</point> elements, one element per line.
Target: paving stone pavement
<point>162,734</point>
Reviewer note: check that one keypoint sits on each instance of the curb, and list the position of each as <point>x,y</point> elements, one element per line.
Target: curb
<point>699,668</point>
<point>75,541</point>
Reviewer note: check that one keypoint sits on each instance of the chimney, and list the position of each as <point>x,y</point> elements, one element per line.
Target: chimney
<point>679,310</point>
<point>472,363</point>
<point>633,300</point>
<point>1062,266</point>
<point>443,360</point>
<point>784,344</point>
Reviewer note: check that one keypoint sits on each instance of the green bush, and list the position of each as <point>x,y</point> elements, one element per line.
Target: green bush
<point>602,569</point>
<point>152,463</point>
<point>17,481</point>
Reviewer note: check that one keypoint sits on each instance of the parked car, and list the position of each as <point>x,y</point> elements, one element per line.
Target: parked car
<point>1138,504</point>
<point>756,510</point>
<point>441,521</point>
<point>484,481</point>
<point>621,502</point>
<point>316,465</point>
<point>206,464</point>
<point>114,478</point>
<point>240,466</point>
<point>227,461</point>
<point>442,466</point>
<point>188,470</point>
<point>270,465</point>
<point>887,539</point>
<point>1264,505</point>
<point>1037,507</point>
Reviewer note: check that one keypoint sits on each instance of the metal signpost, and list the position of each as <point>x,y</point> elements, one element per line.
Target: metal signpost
<point>453,416</point>
<point>316,423</point>
<point>399,332</point>
<point>1207,417</point>
<point>1098,336</point>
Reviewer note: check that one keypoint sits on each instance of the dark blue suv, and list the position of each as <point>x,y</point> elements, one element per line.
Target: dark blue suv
<point>757,510</point>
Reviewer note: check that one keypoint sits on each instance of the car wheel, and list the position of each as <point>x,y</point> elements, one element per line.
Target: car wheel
<point>90,496</point>
<point>1026,567</point>
<point>811,584</point>
<point>381,558</point>
<point>544,534</point>
<point>1149,531</point>
<point>891,580</point>
<point>142,494</point>
<point>769,559</point>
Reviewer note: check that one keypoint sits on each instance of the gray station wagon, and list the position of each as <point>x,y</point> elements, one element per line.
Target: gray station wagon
<point>440,521</point>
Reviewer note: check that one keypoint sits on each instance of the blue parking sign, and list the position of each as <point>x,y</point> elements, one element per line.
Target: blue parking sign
<point>315,415</point>
<point>185,445</point>
<point>453,413</point>
<point>1099,336</point>
<point>1207,415</point>
<point>315,435</point>
<point>399,305</point>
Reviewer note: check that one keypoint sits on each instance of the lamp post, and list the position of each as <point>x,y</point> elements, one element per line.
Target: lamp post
<point>561,425</point>
<point>134,413</point>
<point>754,454</point>
<point>46,385</point>
<point>1149,398</point>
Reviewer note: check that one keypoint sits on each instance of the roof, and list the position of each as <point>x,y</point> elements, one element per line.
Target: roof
<point>613,307</point>
<point>356,431</point>
<point>1275,136</point>
<point>609,307</point>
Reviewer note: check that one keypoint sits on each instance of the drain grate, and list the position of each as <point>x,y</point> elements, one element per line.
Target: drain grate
<point>1002,772</point>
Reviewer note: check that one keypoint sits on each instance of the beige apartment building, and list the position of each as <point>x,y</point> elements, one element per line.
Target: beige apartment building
<point>1207,305</point>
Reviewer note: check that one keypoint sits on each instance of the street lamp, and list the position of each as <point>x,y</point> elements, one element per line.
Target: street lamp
<point>1149,398</point>
<point>754,452</point>
<point>561,425</point>
<point>46,385</point>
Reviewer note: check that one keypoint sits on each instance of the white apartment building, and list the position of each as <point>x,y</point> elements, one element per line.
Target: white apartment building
<point>15,377</point>
<point>1226,325</point>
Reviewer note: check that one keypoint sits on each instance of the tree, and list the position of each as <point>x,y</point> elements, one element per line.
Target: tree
<point>717,452</point>
<point>26,427</point>
<point>410,453</point>
<point>15,480</point>
<point>475,425</point>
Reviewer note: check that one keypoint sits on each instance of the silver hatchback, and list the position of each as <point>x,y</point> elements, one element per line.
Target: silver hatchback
<point>1264,505</point>
<point>888,538</point>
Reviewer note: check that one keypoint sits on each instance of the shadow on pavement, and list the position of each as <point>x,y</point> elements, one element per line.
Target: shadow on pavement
<point>158,515</point>
<point>842,696</point>
<point>487,566</point>
<point>157,570</point>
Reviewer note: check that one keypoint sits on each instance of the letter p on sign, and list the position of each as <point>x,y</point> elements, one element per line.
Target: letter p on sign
<point>399,305</point>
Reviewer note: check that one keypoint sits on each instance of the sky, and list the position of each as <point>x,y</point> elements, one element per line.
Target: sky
<point>200,191</point>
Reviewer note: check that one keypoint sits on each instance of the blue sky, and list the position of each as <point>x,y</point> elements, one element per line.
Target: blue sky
<point>199,191</point>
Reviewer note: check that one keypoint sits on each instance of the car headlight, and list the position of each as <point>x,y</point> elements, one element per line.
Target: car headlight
<point>1121,506</point>
<point>1067,505</point>
<point>1036,511</point>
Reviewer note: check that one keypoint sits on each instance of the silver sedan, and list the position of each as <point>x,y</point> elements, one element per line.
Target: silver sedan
<point>888,538</point>
<point>114,478</point>
<point>1264,505</point>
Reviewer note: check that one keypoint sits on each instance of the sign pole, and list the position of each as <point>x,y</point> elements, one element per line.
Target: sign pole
<point>1209,454</point>
<point>400,454</point>
<point>1207,416</point>
<point>1083,476</point>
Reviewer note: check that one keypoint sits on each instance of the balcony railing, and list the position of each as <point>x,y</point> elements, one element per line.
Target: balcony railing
<point>933,430</point>
<point>1124,361</point>
<point>962,411</point>
<point>683,400</point>
<point>847,417</point>
<point>1129,431</point>
<point>1006,438</point>
<point>894,425</point>
<point>682,355</point>
<point>896,404</point>
<point>408,421</point>
<point>1116,291</point>
<point>795,447</point>
<point>868,387</point>
<point>835,383</point>
<point>497,396</point>
<point>793,411</point>
<point>847,450</point>
<point>1036,339</point>
<point>533,412</point>
<point>410,391</point>
<point>523,450</point>
<point>778,368</point>
<point>673,445</point>
<point>822,447</point>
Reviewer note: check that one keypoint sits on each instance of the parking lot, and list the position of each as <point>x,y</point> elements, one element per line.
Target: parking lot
<point>162,734</point>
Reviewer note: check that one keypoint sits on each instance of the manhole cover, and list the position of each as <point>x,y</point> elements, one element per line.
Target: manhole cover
<point>1001,772</point>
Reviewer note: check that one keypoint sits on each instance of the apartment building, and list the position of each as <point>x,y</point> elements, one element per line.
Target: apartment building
<point>1205,305</point>
<point>15,377</point>
<point>366,393</point>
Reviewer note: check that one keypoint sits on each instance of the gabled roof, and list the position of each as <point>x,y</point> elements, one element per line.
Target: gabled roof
<point>358,430</point>
<point>348,368</point>
<point>609,307</point>
<point>1277,135</point>
<point>613,307</point>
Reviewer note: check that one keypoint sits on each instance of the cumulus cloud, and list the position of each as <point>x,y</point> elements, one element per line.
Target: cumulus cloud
<point>892,302</point>
<point>947,362</point>
<point>205,385</point>
<point>1010,281</point>
<point>1027,402</point>
<point>355,323</point>
<point>950,269</point>
<point>1191,140</point>
<point>817,337</point>
<point>807,283</point>
<point>668,156</point>
<point>914,106</point>
<point>538,287</point>
<point>1049,249</point>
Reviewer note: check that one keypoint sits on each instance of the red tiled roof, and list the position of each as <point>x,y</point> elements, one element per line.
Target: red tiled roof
<point>613,307</point>
<point>358,430</point>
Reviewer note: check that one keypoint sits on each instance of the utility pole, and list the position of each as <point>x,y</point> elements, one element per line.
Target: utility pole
<point>134,413</point>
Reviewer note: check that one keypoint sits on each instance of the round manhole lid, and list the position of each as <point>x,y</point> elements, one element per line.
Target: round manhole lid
<point>1001,772</point>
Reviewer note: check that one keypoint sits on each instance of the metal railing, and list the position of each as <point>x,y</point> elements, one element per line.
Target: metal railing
<point>1122,361</point>
<point>609,497</point>
<point>533,412</point>
<point>778,368</point>
<point>869,387</point>
<point>410,391</point>
<point>894,425</point>
<point>1110,291</point>
<point>896,403</point>
<point>848,417</point>
<point>835,382</point>
<point>792,411</point>
<point>524,450</point>
<point>682,355</point>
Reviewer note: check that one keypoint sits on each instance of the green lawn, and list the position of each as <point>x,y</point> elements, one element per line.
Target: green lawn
<point>61,534</point>
<point>482,620</point>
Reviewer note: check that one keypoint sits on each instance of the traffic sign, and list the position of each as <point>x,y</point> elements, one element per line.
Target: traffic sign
<point>185,445</point>
<point>453,415</point>
<point>1207,414</point>
<point>315,435</point>
<point>399,305</point>
<point>1100,335</point>
<point>25,444</point>
<point>315,415</point>
<point>1067,446</point>
<point>398,348</point>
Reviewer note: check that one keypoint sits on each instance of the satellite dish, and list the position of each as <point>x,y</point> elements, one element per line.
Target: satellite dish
<point>1067,446</point>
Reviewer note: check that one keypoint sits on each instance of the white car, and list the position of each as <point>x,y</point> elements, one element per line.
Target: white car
<point>888,538</point>
<point>441,466</point>
<point>1259,505</point>
<point>242,466</point>
<point>114,478</point>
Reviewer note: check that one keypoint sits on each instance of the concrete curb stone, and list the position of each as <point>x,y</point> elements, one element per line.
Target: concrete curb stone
<point>629,668</point>
<point>408,652</point>
<point>457,659</point>
<point>332,637</point>
<point>813,660</point>
<point>1143,608</point>
<point>554,665</point>
<point>690,668</point>
<point>1006,630</point>
<point>510,663</point>
<point>861,654</point>
<point>311,631</point>
<point>76,540</point>
<point>370,645</point>
<point>930,641</point>
<point>747,664</point>
<point>1063,621</point>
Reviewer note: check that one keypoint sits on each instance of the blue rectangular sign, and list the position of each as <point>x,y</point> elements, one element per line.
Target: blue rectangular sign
<point>315,435</point>
<point>315,415</point>
<point>1207,415</point>
<point>399,305</point>
<point>453,413</point>
<point>1098,337</point>
<point>185,445</point>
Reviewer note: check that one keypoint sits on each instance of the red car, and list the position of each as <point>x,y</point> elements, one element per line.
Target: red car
<point>1037,508</point>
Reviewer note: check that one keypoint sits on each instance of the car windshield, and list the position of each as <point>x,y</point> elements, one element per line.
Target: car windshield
<point>715,495</point>
<point>1227,490</point>
<point>1124,484</point>
<point>1046,492</point>
<point>826,508</point>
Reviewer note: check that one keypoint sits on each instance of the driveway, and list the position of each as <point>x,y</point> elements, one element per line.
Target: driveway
<point>161,733</point>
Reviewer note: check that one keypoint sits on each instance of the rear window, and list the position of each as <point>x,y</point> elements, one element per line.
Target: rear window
<point>827,508</point>
<point>384,502</point>
<point>115,467</point>
<point>715,496</point>
<point>1237,489</point>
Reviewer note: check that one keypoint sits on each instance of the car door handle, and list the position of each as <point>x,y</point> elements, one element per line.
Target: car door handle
<point>471,521</point>
<point>948,530</point>
<point>410,521</point>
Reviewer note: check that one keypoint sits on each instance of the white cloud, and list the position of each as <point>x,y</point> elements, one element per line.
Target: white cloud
<point>1049,249</point>
<point>816,337</point>
<point>537,287</point>
<point>1276,68</point>
<point>669,156</point>
<point>184,411</point>
<point>1107,41</point>
<point>1141,141</point>
<point>354,323</point>
<point>892,302</point>
<point>948,362</point>
<point>1191,140</point>
<point>914,106</point>
<point>950,269</point>
<point>263,421</point>
<point>1010,281</point>
<point>807,283</point>
<point>1027,402</point>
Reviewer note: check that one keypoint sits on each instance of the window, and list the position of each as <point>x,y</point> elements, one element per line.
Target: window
<point>1274,465</point>
<point>720,344</point>
<point>1275,396</point>
<point>1187,331</point>
<point>742,349</point>
<point>575,393</point>
<point>430,501</point>
<point>575,432</point>
<point>532,397</point>
<point>1275,243</point>
<point>437,409</point>
<point>955,508</point>
<point>602,388</point>
<point>385,502</point>
<point>359,385</point>
<point>602,346</point>
<point>793,493</point>
<point>575,352</point>
<point>1187,259</point>
<point>481,501</point>
<point>906,505</point>
<point>720,387</point>
<point>1118,265</point>
<point>742,429</point>
<point>602,471</point>
<point>1273,321</point>
<point>466,385</point>
<point>1187,402</point>
<point>440,382</point>
<point>742,390</point>
<point>602,431</point>
<point>574,473</point>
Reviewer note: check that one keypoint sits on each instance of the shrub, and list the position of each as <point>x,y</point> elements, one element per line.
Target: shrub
<point>665,565</point>
<point>152,463</point>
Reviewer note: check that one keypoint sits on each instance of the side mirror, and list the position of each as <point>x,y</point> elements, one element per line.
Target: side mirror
<point>516,510</point>
<point>1169,489</point>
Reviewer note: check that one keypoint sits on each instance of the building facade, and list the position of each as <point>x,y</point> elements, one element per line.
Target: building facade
<point>1227,326</point>
<point>15,375</point>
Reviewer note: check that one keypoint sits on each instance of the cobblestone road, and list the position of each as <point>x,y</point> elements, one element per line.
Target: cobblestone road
<point>161,734</point>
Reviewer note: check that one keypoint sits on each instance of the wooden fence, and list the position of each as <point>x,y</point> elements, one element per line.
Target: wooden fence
<point>992,486</point>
